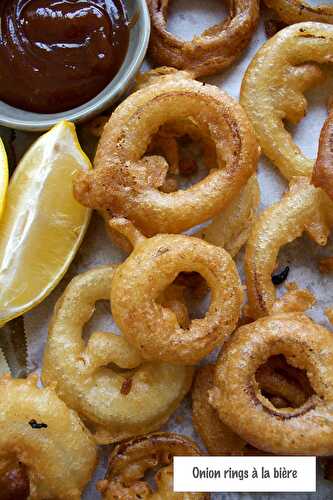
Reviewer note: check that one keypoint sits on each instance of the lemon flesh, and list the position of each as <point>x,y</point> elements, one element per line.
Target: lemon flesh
<point>42,225</point>
<point>3,176</point>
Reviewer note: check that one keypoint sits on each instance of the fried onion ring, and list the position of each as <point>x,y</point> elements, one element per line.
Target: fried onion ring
<point>284,384</point>
<point>273,90</point>
<point>57,453</point>
<point>152,266</point>
<point>307,430</point>
<point>297,11</point>
<point>211,52</point>
<point>303,208</point>
<point>130,461</point>
<point>218,438</point>
<point>126,183</point>
<point>323,170</point>
<point>85,377</point>
<point>231,228</point>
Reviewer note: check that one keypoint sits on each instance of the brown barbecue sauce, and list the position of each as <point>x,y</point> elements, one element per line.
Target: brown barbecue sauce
<point>58,54</point>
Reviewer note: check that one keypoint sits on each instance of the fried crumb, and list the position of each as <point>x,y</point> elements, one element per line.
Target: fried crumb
<point>326,265</point>
<point>272,26</point>
<point>126,386</point>
<point>329,314</point>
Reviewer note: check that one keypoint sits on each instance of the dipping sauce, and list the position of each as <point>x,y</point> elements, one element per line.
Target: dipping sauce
<point>58,54</point>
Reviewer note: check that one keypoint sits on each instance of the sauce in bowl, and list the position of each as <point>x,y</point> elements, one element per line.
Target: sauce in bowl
<point>58,54</point>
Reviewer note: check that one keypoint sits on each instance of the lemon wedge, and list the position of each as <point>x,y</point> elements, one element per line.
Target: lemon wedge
<point>42,225</point>
<point>3,176</point>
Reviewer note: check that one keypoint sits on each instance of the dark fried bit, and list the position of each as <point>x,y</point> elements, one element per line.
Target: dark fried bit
<point>272,26</point>
<point>278,279</point>
<point>14,482</point>
<point>326,265</point>
<point>126,386</point>
<point>36,425</point>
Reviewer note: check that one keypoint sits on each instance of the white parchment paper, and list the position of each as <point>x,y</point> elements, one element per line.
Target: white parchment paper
<point>189,17</point>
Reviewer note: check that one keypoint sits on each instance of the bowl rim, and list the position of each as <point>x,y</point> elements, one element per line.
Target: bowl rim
<point>90,110</point>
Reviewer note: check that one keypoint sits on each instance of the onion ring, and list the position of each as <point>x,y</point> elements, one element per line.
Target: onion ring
<point>273,90</point>
<point>126,183</point>
<point>303,208</point>
<point>130,461</point>
<point>211,52</point>
<point>152,266</point>
<point>232,227</point>
<point>323,170</point>
<point>107,399</point>
<point>307,430</point>
<point>217,437</point>
<point>57,452</point>
<point>229,230</point>
<point>284,388</point>
<point>297,11</point>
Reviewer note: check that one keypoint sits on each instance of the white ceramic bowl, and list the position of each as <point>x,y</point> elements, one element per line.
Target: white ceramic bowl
<point>139,37</point>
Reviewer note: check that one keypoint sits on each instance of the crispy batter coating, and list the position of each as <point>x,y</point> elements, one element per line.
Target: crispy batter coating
<point>298,11</point>
<point>294,300</point>
<point>127,183</point>
<point>214,50</point>
<point>57,453</point>
<point>307,430</point>
<point>130,460</point>
<point>106,380</point>
<point>218,438</point>
<point>323,170</point>
<point>153,265</point>
<point>329,314</point>
<point>302,208</point>
<point>273,88</point>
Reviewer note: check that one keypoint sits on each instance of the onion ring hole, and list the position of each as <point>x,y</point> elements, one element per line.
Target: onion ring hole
<point>285,385</point>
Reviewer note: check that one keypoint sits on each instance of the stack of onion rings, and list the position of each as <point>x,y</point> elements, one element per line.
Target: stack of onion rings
<point>153,265</point>
<point>130,461</point>
<point>127,183</point>
<point>39,431</point>
<point>307,430</point>
<point>214,50</point>
<point>303,208</point>
<point>107,399</point>
<point>273,90</point>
